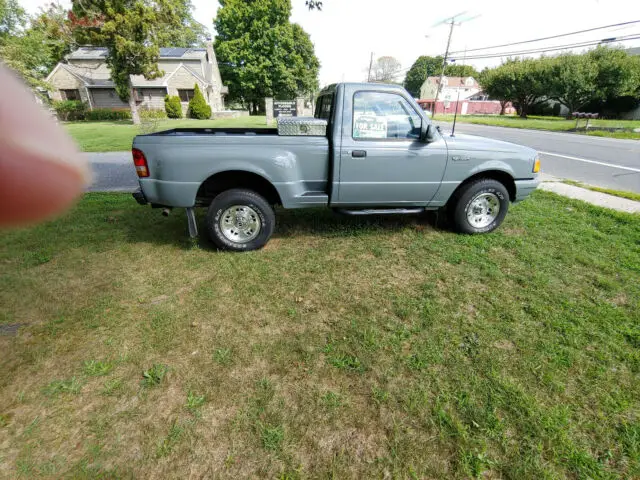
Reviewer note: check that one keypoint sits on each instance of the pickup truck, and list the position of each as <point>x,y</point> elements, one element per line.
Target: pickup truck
<point>380,155</point>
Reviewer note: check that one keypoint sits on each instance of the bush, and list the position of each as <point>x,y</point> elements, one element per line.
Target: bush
<point>198,107</point>
<point>108,114</point>
<point>70,110</point>
<point>557,107</point>
<point>173,107</point>
<point>152,115</point>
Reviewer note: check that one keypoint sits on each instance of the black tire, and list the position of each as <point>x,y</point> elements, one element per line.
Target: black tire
<point>240,197</point>
<point>463,198</point>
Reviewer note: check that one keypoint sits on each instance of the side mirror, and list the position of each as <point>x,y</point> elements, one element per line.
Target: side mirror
<point>428,133</point>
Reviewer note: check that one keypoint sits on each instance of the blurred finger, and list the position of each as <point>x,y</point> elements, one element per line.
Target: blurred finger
<point>41,170</point>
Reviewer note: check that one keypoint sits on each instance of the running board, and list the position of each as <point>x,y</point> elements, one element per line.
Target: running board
<point>382,211</point>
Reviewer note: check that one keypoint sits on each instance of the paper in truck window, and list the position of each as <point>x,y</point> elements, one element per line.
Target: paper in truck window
<point>369,126</point>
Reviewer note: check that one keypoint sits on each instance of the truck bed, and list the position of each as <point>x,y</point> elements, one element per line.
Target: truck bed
<point>179,132</point>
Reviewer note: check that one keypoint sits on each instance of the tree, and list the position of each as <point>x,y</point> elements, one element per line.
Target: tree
<point>190,33</point>
<point>385,70</point>
<point>524,82</point>
<point>422,68</point>
<point>454,70</point>
<point>426,66</point>
<point>23,49</point>
<point>618,73</point>
<point>13,18</point>
<point>573,80</point>
<point>198,107</point>
<point>54,25</point>
<point>172,106</point>
<point>261,54</point>
<point>131,30</point>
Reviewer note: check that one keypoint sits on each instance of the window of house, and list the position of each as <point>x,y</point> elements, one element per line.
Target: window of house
<point>185,95</point>
<point>70,94</point>
<point>378,115</point>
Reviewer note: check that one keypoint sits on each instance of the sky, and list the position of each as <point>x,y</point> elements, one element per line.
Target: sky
<point>346,32</point>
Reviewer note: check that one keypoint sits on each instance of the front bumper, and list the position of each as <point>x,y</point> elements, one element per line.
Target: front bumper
<point>139,196</point>
<point>525,187</point>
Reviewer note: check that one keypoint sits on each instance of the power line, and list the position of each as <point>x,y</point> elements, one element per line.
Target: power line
<point>556,48</point>
<point>551,37</point>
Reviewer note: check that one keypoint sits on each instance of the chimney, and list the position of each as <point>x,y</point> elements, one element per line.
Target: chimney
<point>211,60</point>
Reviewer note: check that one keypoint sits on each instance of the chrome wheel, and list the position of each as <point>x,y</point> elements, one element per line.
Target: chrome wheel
<point>483,210</point>
<point>240,224</point>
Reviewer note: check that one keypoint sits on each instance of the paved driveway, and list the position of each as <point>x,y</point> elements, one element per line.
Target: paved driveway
<point>112,171</point>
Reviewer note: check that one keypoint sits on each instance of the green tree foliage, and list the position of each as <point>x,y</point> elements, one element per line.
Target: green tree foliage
<point>422,68</point>
<point>261,54</point>
<point>525,82</point>
<point>131,31</point>
<point>23,49</point>
<point>13,18</point>
<point>602,79</point>
<point>173,107</point>
<point>189,33</point>
<point>198,107</point>
<point>54,25</point>
<point>426,66</point>
<point>456,70</point>
<point>572,79</point>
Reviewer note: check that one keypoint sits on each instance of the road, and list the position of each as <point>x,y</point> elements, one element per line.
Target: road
<point>604,162</point>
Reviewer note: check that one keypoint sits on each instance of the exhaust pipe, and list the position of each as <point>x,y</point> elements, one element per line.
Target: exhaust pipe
<point>166,212</point>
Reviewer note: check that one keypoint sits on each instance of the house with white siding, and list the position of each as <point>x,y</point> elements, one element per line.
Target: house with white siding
<point>85,76</point>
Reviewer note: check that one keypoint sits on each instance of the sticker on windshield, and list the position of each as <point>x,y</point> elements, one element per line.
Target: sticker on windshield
<point>369,126</point>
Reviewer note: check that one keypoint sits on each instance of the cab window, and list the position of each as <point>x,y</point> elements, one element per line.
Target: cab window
<point>379,115</point>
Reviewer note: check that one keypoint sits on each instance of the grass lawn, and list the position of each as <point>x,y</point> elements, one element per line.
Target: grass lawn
<point>118,135</point>
<point>547,123</point>
<point>347,348</point>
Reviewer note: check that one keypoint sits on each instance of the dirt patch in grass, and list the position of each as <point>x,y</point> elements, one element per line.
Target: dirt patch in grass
<point>348,348</point>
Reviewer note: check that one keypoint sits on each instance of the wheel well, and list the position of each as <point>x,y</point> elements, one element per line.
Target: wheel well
<point>222,181</point>
<point>502,177</point>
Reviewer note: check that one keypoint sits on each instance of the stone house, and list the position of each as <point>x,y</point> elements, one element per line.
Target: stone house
<point>85,76</point>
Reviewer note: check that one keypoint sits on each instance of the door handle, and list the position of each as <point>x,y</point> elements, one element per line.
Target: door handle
<point>359,153</point>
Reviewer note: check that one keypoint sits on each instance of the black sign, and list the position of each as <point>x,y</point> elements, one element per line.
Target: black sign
<point>284,108</point>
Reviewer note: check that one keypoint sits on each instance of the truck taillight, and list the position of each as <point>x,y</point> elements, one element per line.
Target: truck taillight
<point>142,169</point>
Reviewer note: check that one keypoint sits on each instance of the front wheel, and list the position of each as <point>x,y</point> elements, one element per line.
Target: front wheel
<point>240,220</point>
<point>480,206</point>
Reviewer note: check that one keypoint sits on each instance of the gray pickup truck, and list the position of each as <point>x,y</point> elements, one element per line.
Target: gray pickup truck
<point>368,150</point>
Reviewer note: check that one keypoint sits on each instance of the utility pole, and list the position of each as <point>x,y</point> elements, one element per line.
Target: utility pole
<point>451,21</point>
<point>370,65</point>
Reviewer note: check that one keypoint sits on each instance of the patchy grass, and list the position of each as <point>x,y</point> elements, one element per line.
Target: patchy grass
<point>559,124</point>
<point>118,135</point>
<point>616,193</point>
<point>347,348</point>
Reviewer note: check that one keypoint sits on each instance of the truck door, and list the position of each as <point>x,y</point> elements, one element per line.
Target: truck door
<point>382,160</point>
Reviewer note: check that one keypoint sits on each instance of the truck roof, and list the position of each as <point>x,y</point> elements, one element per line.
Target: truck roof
<point>379,86</point>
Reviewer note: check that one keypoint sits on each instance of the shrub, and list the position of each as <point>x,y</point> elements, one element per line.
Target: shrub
<point>173,107</point>
<point>153,115</point>
<point>108,114</point>
<point>70,110</point>
<point>556,109</point>
<point>198,107</point>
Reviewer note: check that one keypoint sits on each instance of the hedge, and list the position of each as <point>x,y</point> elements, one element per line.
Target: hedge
<point>173,107</point>
<point>70,110</point>
<point>198,107</point>
<point>107,114</point>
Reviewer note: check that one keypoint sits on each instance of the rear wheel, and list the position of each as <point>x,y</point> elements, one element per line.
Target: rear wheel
<point>480,206</point>
<point>240,220</point>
